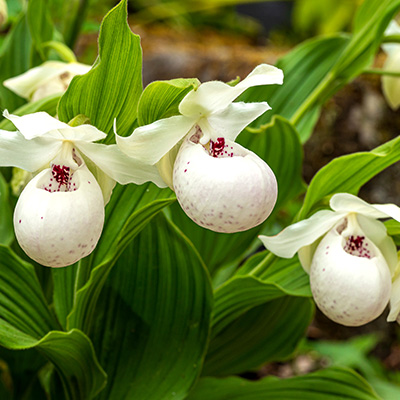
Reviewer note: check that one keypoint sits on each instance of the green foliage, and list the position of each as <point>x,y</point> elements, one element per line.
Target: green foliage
<point>329,384</point>
<point>6,228</point>
<point>111,90</point>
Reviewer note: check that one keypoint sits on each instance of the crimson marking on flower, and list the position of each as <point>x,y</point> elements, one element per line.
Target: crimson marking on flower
<point>61,174</point>
<point>217,148</point>
<point>356,246</point>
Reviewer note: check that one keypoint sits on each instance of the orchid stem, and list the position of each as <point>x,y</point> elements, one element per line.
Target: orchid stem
<point>381,72</point>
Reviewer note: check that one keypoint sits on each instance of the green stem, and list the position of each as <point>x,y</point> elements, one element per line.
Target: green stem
<point>71,34</point>
<point>312,99</point>
<point>391,39</point>
<point>381,72</point>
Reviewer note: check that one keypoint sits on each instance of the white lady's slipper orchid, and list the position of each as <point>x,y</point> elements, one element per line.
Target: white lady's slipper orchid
<point>391,84</point>
<point>52,77</point>
<point>348,254</point>
<point>218,183</point>
<point>59,216</point>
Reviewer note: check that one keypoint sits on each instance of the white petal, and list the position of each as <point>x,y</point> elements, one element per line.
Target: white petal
<point>37,124</point>
<point>302,233</point>
<point>227,194</point>
<point>344,202</point>
<point>229,122</point>
<point>394,301</point>
<point>30,155</point>
<point>49,78</point>
<point>349,289</point>
<point>118,165</point>
<point>149,143</point>
<point>377,232</point>
<point>83,133</point>
<point>211,97</point>
<point>57,229</point>
<point>391,84</point>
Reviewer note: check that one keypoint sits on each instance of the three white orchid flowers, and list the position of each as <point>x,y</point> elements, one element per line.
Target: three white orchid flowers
<point>59,216</point>
<point>349,256</point>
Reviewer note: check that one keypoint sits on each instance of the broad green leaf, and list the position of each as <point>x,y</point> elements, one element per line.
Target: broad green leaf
<point>131,207</point>
<point>161,99</point>
<point>14,60</point>
<point>26,322</point>
<point>393,230</point>
<point>278,144</point>
<point>304,69</point>
<point>328,384</point>
<point>269,332</point>
<point>6,225</point>
<point>370,23</point>
<point>153,316</point>
<point>111,90</point>
<point>348,173</point>
<point>40,24</point>
<point>249,325</point>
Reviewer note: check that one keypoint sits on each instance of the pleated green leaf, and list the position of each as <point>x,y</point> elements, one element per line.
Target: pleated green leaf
<point>260,315</point>
<point>304,69</point>
<point>370,23</point>
<point>6,225</point>
<point>161,99</point>
<point>77,288</point>
<point>348,173</point>
<point>112,88</point>
<point>153,316</point>
<point>26,322</point>
<point>278,144</point>
<point>328,384</point>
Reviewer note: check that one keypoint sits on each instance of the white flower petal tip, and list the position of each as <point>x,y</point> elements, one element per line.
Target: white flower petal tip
<point>59,216</point>
<point>225,188</point>
<point>350,279</point>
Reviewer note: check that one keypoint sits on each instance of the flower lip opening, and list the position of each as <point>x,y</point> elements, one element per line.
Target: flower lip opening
<point>354,241</point>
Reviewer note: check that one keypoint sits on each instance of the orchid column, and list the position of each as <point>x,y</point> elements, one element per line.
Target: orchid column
<point>218,183</point>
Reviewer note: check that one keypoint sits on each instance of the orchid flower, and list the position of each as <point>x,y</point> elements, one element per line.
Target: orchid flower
<point>348,255</point>
<point>219,184</point>
<point>391,84</point>
<point>50,78</point>
<point>59,216</point>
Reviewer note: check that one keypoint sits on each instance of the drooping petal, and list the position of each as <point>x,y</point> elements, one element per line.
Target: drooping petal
<point>49,78</point>
<point>211,97</point>
<point>37,124</point>
<point>30,155</point>
<point>302,233</point>
<point>345,202</point>
<point>391,84</point>
<point>376,231</point>
<point>230,121</point>
<point>394,301</point>
<point>59,228</point>
<point>149,143</point>
<point>233,191</point>
<point>118,165</point>
<point>349,278</point>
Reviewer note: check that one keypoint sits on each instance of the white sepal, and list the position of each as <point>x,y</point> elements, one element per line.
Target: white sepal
<point>224,194</point>
<point>58,228</point>
<point>349,289</point>
<point>394,313</point>
<point>302,233</point>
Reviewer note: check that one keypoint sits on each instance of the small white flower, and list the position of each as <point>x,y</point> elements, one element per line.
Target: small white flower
<point>348,254</point>
<point>60,214</point>
<point>52,77</point>
<point>219,184</point>
<point>391,84</point>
